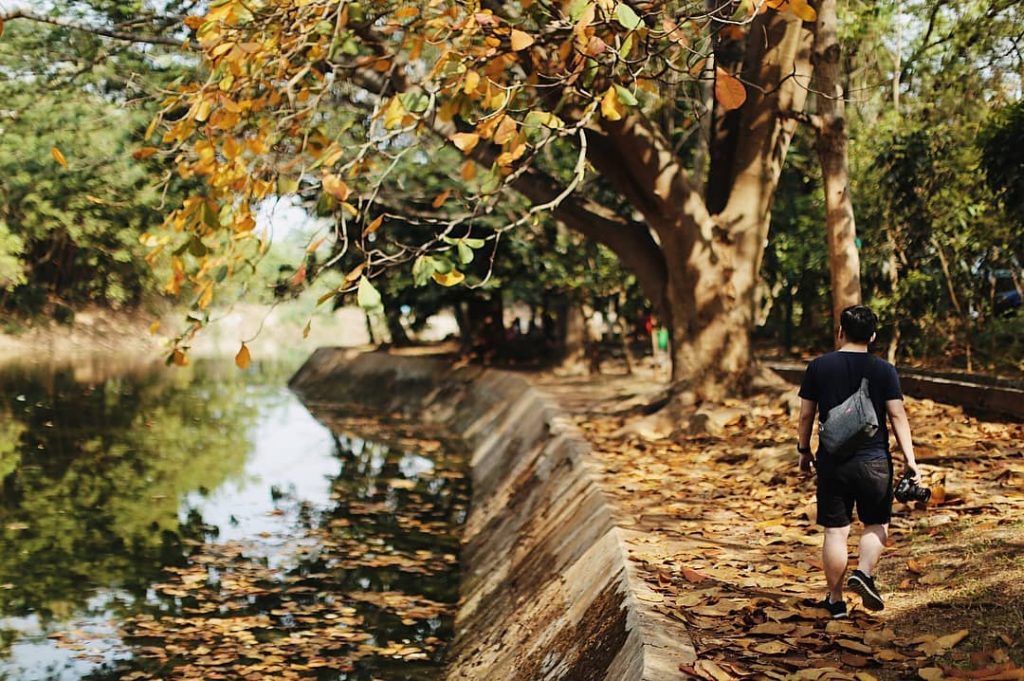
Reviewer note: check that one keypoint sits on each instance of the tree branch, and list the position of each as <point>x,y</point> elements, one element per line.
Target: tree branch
<point>95,30</point>
<point>813,121</point>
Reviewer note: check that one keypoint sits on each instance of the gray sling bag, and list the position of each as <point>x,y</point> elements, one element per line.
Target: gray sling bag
<point>849,423</point>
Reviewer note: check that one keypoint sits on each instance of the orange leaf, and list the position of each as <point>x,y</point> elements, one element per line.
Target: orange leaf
<point>299,276</point>
<point>802,10</point>
<point>356,272</point>
<point>243,359</point>
<point>506,130</point>
<point>441,198</point>
<point>58,157</point>
<point>335,186</point>
<point>374,226</point>
<point>465,141</point>
<point>693,576</point>
<point>521,40</point>
<point>729,91</point>
<point>144,152</point>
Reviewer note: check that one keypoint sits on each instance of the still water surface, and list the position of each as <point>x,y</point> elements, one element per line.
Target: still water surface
<point>117,489</point>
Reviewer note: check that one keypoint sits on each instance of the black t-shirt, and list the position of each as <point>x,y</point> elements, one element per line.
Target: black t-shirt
<point>833,377</point>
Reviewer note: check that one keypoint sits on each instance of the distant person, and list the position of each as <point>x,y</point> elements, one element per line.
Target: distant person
<point>861,474</point>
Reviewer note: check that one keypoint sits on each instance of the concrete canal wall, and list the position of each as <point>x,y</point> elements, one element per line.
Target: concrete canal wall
<point>547,590</point>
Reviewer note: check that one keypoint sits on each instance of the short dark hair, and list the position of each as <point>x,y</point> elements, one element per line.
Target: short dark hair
<point>858,323</point>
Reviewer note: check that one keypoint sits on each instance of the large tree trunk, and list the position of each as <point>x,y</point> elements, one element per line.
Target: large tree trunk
<point>844,260</point>
<point>713,261</point>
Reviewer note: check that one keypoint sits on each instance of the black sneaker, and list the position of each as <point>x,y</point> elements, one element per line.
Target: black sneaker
<point>864,586</point>
<point>837,610</point>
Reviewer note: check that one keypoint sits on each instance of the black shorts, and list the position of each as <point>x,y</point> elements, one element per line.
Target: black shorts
<point>864,482</point>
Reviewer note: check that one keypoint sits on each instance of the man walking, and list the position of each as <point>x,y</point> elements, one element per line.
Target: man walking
<point>863,475</point>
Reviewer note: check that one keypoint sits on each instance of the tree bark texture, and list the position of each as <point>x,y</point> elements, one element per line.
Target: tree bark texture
<point>844,260</point>
<point>712,260</point>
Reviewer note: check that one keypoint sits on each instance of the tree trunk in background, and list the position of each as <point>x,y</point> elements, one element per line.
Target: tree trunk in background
<point>393,315</point>
<point>844,260</point>
<point>894,283</point>
<point>573,336</point>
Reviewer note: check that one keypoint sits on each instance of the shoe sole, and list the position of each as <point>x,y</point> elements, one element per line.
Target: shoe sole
<point>870,599</point>
<point>840,616</point>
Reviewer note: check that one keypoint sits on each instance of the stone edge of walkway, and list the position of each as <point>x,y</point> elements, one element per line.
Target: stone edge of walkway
<point>548,589</point>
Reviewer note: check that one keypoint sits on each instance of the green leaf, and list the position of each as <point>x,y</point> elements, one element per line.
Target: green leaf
<point>627,47</point>
<point>625,96</point>
<point>422,270</point>
<point>629,19</point>
<point>414,102</point>
<point>577,8</point>
<point>367,295</point>
<point>442,265</point>
<point>287,185</point>
<point>474,243</point>
<point>197,248</point>
<point>465,253</point>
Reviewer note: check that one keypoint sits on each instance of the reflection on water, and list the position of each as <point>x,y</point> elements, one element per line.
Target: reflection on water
<point>132,507</point>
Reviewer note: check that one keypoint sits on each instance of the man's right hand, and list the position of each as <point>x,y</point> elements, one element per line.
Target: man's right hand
<point>912,469</point>
<point>806,463</point>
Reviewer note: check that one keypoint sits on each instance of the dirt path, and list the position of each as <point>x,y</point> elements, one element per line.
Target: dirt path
<point>722,529</point>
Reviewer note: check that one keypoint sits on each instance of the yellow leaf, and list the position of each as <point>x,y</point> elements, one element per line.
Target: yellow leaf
<point>335,186</point>
<point>58,157</point>
<point>465,141</point>
<point>306,328</point>
<point>468,171</point>
<point>393,114</point>
<point>206,298</point>
<point>311,248</point>
<point>611,108</point>
<point>203,111</point>
<point>802,10</point>
<point>521,40</point>
<point>471,83</point>
<point>729,91</point>
<point>449,278</point>
<point>154,327</point>
<point>243,359</point>
<point>374,226</point>
<point>930,673</point>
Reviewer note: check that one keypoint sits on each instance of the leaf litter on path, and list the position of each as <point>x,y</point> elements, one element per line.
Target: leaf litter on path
<point>723,527</point>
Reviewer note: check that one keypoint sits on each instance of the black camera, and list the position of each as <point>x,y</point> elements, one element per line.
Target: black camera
<point>908,490</point>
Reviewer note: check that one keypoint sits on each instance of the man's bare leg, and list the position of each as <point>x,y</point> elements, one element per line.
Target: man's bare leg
<point>872,542</point>
<point>834,557</point>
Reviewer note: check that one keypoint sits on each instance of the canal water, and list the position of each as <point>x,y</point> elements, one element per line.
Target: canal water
<point>200,523</point>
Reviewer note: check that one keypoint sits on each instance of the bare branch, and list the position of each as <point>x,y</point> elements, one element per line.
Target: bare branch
<point>96,30</point>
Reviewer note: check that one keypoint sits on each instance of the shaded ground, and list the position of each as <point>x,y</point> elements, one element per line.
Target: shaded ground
<point>722,529</point>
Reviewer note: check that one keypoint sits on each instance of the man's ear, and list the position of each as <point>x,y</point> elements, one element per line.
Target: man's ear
<point>872,339</point>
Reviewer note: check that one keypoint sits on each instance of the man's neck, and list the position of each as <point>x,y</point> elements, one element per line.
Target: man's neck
<point>853,347</point>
